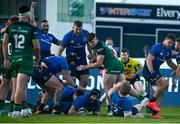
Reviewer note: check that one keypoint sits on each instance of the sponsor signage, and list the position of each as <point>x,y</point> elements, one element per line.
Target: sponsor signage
<point>110,10</point>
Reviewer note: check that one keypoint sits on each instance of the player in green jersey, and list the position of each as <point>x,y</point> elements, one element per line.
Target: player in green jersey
<point>9,76</point>
<point>23,38</point>
<point>114,69</point>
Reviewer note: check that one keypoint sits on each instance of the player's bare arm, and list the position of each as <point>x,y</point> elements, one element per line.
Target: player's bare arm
<point>36,49</point>
<point>98,63</point>
<point>154,75</point>
<point>67,77</point>
<point>5,50</point>
<point>32,16</point>
<point>149,60</point>
<point>60,50</point>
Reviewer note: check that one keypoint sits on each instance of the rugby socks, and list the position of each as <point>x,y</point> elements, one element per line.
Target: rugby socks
<point>41,107</point>
<point>140,97</point>
<point>153,99</point>
<point>109,108</point>
<point>134,111</point>
<point>11,106</point>
<point>17,107</point>
<point>24,105</point>
<point>103,97</point>
<point>2,104</point>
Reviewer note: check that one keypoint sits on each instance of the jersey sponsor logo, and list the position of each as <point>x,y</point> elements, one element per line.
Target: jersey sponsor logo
<point>76,47</point>
<point>46,41</point>
<point>21,31</point>
<point>163,59</point>
<point>100,50</point>
<point>161,53</point>
<point>113,71</point>
<point>71,42</point>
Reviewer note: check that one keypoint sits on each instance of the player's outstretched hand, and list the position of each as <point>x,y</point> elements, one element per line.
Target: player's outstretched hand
<point>34,4</point>
<point>7,64</point>
<point>154,76</point>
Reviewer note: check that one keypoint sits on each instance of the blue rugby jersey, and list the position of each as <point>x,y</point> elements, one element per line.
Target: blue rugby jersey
<point>76,44</point>
<point>161,54</point>
<point>45,41</point>
<point>56,63</point>
<point>122,102</point>
<point>85,103</point>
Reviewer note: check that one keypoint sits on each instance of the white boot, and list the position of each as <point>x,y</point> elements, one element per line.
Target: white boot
<point>16,114</point>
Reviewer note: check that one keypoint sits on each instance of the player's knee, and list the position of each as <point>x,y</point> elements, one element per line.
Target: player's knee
<point>164,84</point>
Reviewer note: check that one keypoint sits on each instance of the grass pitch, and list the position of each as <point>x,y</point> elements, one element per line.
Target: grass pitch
<point>170,114</point>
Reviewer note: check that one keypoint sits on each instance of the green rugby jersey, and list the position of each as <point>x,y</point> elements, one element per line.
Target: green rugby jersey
<point>21,35</point>
<point>111,63</point>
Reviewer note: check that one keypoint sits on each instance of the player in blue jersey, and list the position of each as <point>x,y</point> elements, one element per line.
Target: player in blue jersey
<point>46,39</point>
<point>86,103</point>
<point>75,43</point>
<point>122,105</point>
<point>69,94</point>
<point>49,82</point>
<point>158,54</point>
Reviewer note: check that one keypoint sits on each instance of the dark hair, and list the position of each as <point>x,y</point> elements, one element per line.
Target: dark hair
<point>109,38</point>
<point>170,36</point>
<point>78,23</point>
<point>44,20</point>
<point>95,92</point>
<point>178,40</point>
<point>125,50</point>
<point>13,18</point>
<point>24,9</point>
<point>79,92</point>
<point>91,36</point>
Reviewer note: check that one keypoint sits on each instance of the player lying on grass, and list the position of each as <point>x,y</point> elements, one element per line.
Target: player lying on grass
<point>86,103</point>
<point>122,104</point>
<point>69,94</point>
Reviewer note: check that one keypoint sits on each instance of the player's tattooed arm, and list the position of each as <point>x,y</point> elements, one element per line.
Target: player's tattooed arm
<point>171,64</point>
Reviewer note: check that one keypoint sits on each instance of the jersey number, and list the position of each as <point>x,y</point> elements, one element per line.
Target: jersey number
<point>9,48</point>
<point>19,41</point>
